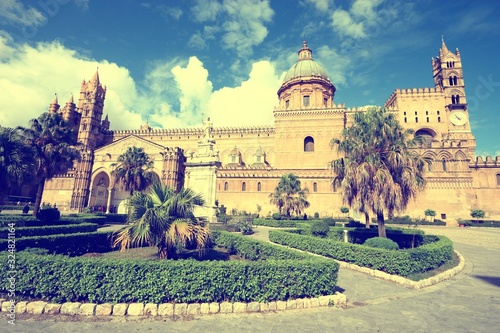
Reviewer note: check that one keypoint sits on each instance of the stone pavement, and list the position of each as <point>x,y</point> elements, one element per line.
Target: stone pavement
<point>469,302</point>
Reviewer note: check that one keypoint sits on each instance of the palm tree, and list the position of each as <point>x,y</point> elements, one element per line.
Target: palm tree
<point>379,172</point>
<point>54,143</point>
<point>133,170</point>
<point>165,219</point>
<point>289,197</point>
<point>16,161</point>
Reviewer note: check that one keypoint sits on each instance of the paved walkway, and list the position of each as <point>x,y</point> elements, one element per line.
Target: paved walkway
<point>469,302</point>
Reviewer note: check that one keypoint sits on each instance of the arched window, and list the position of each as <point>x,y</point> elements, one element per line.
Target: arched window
<point>416,119</point>
<point>439,119</point>
<point>443,162</point>
<point>426,137</point>
<point>450,79</point>
<point>427,119</point>
<point>315,187</point>
<point>226,185</point>
<point>455,80</point>
<point>308,144</point>
<point>498,179</point>
<point>259,187</point>
<point>405,119</point>
<point>244,186</point>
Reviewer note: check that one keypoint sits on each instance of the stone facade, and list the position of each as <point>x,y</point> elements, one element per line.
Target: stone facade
<point>251,160</point>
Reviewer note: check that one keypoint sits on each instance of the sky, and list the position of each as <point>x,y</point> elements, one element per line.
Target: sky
<point>173,62</point>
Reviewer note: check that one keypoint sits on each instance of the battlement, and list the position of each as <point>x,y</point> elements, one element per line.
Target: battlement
<point>489,162</point>
<point>413,92</point>
<point>194,131</point>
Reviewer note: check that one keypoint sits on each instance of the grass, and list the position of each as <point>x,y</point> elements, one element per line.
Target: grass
<point>444,267</point>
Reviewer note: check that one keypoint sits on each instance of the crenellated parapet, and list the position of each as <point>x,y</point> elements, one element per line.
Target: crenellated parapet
<point>412,93</point>
<point>488,162</point>
<point>193,131</point>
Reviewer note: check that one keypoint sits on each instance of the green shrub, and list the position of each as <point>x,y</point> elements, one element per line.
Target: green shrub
<point>277,216</point>
<point>284,274</point>
<point>316,215</point>
<point>482,223</point>
<point>355,224</point>
<point>381,243</point>
<point>320,229</point>
<point>330,221</point>
<point>50,230</point>
<point>72,244</point>
<point>405,238</point>
<point>435,251</point>
<point>276,223</point>
<point>48,215</point>
<point>36,250</point>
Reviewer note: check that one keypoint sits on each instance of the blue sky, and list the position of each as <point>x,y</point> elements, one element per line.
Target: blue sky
<point>170,61</point>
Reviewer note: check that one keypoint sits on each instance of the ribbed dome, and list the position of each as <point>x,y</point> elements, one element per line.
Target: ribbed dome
<point>305,67</point>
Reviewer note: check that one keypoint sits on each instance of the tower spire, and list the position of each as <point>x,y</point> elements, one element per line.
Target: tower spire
<point>444,50</point>
<point>95,78</point>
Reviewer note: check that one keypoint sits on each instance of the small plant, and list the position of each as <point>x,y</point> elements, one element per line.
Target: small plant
<point>477,214</point>
<point>344,210</point>
<point>277,216</point>
<point>429,215</point>
<point>48,215</point>
<point>320,229</point>
<point>316,215</point>
<point>381,243</point>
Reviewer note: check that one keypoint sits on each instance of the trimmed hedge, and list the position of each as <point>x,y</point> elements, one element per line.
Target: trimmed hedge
<point>405,238</point>
<point>49,230</point>
<point>435,251</point>
<point>409,221</point>
<point>31,221</point>
<point>60,279</point>
<point>72,244</point>
<point>482,223</point>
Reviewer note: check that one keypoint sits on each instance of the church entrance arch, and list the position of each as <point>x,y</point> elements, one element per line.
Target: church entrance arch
<point>99,192</point>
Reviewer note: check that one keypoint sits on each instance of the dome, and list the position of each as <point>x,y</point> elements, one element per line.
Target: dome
<point>305,67</point>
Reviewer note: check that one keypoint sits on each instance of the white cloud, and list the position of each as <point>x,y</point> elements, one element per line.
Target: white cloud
<point>321,5</point>
<point>83,4</point>
<point>173,93</point>
<point>336,65</point>
<point>13,12</point>
<point>170,12</point>
<point>356,22</point>
<point>242,22</point>
<point>343,22</point>
<point>250,103</point>
<point>29,77</point>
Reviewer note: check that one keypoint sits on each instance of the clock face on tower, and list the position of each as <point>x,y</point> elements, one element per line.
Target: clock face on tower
<point>458,118</point>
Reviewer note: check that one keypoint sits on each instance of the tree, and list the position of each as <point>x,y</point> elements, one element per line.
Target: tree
<point>133,170</point>
<point>477,214</point>
<point>54,145</point>
<point>344,210</point>
<point>379,172</point>
<point>16,162</point>
<point>289,197</point>
<point>165,219</point>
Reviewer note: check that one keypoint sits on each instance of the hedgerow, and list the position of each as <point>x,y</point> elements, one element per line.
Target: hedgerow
<point>49,230</point>
<point>435,251</point>
<point>59,278</point>
<point>70,244</point>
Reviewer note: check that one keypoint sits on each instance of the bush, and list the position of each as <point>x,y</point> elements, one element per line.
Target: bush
<point>436,251</point>
<point>72,244</point>
<point>320,229</point>
<point>355,224</point>
<point>36,250</point>
<point>316,215</point>
<point>330,221</point>
<point>283,275</point>
<point>276,223</point>
<point>277,216</point>
<point>381,243</point>
<point>50,230</point>
<point>482,223</point>
<point>48,215</point>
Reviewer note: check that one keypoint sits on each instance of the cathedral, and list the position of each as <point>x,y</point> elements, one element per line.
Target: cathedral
<point>247,162</point>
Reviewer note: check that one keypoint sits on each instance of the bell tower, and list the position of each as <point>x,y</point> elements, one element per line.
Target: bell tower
<point>448,76</point>
<point>90,109</point>
<point>90,106</point>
